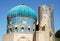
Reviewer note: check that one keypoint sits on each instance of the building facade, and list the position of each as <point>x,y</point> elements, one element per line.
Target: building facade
<point>23,25</point>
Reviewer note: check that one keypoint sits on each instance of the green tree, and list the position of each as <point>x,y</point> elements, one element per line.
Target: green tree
<point>57,34</point>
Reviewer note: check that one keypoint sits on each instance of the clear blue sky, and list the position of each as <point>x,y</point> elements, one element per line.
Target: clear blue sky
<point>6,5</point>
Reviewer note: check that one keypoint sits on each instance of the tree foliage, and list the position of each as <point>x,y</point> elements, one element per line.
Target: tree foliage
<point>57,34</point>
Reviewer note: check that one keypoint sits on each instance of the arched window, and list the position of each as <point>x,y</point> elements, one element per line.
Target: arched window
<point>10,30</point>
<point>16,30</point>
<point>29,28</point>
<point>33,30</point>
<point>22,28</point>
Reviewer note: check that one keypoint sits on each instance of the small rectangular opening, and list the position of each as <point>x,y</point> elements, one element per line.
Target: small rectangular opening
<point>43,28</point>
<point>37,27</point>
<point>50,34</point>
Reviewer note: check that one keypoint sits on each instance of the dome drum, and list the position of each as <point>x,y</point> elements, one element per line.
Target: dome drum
<point>21,19</point>
<point>10,17</point>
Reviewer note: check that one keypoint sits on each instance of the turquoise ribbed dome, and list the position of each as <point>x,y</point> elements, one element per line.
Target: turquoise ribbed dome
<point>22,10</point>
